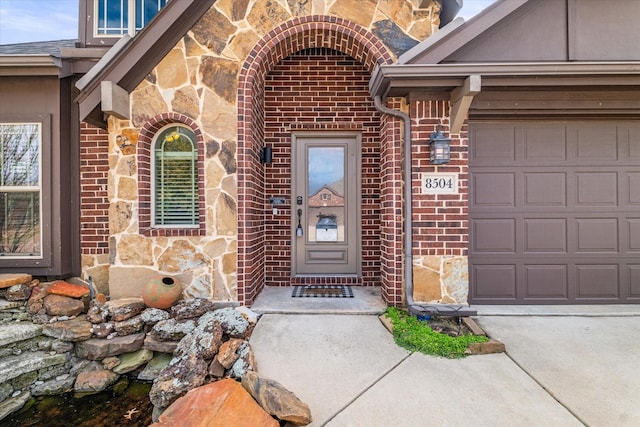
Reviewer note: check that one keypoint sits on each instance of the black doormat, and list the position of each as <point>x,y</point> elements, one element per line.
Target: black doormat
<point>322,291</point>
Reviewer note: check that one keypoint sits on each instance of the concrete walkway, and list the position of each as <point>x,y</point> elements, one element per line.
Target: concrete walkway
<point>558,371</point>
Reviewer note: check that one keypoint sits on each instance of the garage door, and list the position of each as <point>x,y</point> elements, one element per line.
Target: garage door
<point>554,212</point>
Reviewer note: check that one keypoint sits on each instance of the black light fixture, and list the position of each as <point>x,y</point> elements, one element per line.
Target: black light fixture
<point>440,147</point>
<point>266,155</point>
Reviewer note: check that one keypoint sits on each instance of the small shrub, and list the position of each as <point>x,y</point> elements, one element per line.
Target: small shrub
<point>415,335</point>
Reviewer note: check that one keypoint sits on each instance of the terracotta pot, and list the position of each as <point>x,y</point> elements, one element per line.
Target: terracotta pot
<point>161,292</point>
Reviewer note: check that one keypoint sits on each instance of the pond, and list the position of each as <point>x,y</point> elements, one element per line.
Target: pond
<point>125,404</point>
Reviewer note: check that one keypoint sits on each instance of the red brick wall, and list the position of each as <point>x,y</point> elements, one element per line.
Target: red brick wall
<point>440,222</point>
<point>94,202</point>
<point>319,89</point>
<point>292,36</point>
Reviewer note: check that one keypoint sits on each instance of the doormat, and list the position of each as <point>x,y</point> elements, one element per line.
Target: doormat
<point>322,291</point>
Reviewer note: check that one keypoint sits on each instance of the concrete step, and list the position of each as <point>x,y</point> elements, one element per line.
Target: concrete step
<point>14,332</point>
<point>14,366</point>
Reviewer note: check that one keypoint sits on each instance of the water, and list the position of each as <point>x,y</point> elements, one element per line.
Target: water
<point>108,408</point>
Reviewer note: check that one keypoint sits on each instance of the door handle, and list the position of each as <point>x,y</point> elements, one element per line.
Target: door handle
<point>299,231</point>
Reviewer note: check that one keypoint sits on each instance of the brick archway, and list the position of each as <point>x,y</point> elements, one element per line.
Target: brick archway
<point>293,36</point>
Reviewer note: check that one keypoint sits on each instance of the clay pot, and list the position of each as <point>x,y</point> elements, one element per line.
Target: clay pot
<point>161,292</point>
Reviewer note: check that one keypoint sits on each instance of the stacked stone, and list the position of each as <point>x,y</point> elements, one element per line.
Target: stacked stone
<point>82,345</point>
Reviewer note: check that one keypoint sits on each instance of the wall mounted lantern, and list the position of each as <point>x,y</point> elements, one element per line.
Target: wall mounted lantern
<point>440,147</point>
<point>266,155</point>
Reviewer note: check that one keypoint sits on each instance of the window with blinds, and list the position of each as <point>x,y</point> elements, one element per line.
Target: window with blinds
<point>175,171</point>
<point>20,226</point>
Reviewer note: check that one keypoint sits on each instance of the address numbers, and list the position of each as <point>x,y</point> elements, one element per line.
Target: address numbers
<point>439,183</point>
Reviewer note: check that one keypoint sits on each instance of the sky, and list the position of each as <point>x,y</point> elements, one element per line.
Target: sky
<point>24,21</point>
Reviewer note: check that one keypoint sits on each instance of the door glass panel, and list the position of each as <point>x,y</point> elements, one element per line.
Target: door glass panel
<point>325,198</point>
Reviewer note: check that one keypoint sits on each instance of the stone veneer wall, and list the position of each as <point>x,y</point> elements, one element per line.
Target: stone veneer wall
<point>199,79</point>
<point>440,222</point>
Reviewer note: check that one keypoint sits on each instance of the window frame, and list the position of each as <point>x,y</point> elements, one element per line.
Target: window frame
<point>145,149</point>
<point>44,259</point>
<point>88,25</point>
<point>154,181</point>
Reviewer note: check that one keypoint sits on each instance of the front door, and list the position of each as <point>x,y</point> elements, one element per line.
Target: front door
<point>326,204</point>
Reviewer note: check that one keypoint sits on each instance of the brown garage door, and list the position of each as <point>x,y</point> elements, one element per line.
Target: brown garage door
<point>555,212</point>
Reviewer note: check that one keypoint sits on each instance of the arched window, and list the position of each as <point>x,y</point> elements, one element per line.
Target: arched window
<point>175,178</point>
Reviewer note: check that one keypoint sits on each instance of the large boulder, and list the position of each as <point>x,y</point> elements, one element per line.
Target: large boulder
<point>221,404</point>
<point>274,398</point>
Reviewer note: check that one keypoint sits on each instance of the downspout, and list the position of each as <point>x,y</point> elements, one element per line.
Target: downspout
<point>423,309</point>
<point>408,204</point>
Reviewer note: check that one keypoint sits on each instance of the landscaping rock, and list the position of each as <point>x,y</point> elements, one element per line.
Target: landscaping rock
<point>132,361</point>
<point>223,403</point>
<point>74,330</point>
<point>13,403</point>
<point>155,365</point>
<point>110,362</point>
<point>180,376</point>
<point>489,347</point>
<point>60,385</point>
<point>251,316</point>
<point>92,382</point>
<point>204,341</point>
<point>246,362</point>
<point>274,398</point>
<point>18,293</point>
<point>190,309</point>
<point>233,322</point>
<point>70,290</point>
<point>8,280</point>
<point>129,326</point>
<point>124,308</point>
<point>227,354</point>
<point>172,329</point>
<point>98,349</point>
<point>151,316</point>
<point>155,344</point>
<point>216,370</point>
<point>13,366</point>
<point>58,305</point>
<point>103,330</point>
<point>97,313</point>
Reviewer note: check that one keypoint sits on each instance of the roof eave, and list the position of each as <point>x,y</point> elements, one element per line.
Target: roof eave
<point>400,80</point>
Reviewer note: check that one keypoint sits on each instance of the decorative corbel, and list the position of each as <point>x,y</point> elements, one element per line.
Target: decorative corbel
<point>461,98</point>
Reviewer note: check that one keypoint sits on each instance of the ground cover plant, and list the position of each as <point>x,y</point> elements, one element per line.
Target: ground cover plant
<point>416,335</point>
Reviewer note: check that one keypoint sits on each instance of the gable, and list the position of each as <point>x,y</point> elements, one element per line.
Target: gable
<point>542,31</point>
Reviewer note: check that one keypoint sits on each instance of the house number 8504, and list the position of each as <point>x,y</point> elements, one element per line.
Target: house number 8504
<point>439,183</point>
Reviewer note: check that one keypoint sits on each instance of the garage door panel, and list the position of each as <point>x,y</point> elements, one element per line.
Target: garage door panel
<point>634,143</point>
<point>633,283</point>
<point>633,227</point>
<point>546,235</point>
<point>596,189</point>
<point>633,190</point>
<point>546,282</point>
<point>494,189</point>
<point>545,145</point>
<point>597,281</point>
<point>545,189</point>
<point>494,281</point>
<point>596,235</point>
<point>494,143</point>
<point>555,218</point>
<point>494,235</point>
<point>597,144</point>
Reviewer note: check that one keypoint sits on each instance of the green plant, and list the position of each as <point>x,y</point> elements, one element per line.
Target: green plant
<point>415,335</point>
